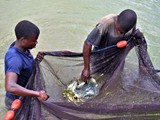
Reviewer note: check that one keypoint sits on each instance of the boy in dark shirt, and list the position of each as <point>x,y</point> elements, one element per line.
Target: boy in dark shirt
<point>110,30</point>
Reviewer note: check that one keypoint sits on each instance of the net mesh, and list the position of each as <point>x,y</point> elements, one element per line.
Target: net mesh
<point>129,86</point>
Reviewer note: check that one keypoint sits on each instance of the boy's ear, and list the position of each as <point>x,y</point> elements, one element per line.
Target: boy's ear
<point>22,38</point>
<point>22,41</point>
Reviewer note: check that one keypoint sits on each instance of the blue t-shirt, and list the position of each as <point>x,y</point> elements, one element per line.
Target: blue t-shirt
<point>21,63</point>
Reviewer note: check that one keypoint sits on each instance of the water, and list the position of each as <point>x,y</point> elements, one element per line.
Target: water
<point>64,24</point>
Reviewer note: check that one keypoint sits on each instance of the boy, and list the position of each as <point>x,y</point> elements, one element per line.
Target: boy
<point>19,63</point>
<point>110,30</point>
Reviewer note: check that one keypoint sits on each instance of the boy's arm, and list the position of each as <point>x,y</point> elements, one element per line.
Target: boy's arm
<point>12,87</point>
<point>86,57</point>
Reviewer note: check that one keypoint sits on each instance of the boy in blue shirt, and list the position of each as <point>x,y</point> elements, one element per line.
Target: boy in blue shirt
<point>19,63</point>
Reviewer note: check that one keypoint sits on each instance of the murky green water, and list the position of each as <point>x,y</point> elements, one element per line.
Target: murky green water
<point>64,24</point>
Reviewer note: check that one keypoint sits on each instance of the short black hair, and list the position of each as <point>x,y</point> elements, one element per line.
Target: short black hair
<point>127,19</point>
<point>26,29</point>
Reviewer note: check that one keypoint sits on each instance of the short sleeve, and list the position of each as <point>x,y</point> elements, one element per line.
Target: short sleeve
<point>94,37</point>
<point>14,64</point>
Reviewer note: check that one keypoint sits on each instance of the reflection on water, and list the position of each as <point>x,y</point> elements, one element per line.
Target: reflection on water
<point>65,24</point>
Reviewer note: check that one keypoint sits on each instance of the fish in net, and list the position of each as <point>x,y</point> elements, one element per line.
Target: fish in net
<point>80,91</point>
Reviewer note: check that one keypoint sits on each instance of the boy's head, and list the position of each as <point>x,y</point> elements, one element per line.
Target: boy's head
<point>127,19</point>
<point>26,30</point>
<point>27,34</point>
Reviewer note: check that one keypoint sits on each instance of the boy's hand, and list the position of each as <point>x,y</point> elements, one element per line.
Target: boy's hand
<point>39,56</point>
<point>137,34</point>
<point>85,75</point>
<point>138,37</point>
<point>43,95</point>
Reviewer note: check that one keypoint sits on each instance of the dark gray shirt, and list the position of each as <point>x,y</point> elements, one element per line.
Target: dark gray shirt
<point>105,33</point>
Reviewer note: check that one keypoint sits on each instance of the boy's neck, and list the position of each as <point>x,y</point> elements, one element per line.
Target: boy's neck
<point>18,46</point>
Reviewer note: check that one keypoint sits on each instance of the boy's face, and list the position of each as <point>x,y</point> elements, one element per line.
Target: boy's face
<point>29,43</point>
<point>119,29</point>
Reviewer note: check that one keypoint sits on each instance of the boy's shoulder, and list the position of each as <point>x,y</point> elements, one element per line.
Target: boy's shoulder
<point>108,18</point>
<point>12,52</point>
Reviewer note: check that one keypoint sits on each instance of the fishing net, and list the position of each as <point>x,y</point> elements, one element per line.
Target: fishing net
<point>128,86</point>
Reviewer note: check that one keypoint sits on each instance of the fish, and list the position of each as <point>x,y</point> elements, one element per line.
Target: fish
<point>80,85</point>
<point>80,91</point>
<point>73,85</point>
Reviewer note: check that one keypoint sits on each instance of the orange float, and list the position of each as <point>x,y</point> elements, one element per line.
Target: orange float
<point>16,104</point>
<point>121,44</point>
<point>9,115</point>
